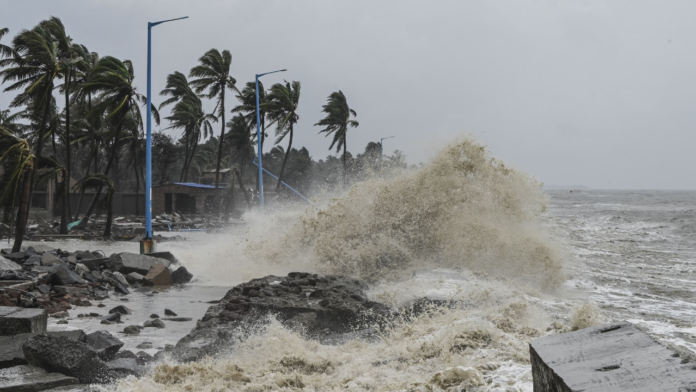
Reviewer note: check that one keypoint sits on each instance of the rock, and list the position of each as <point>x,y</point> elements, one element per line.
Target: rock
<point>26,378</point>
<point>62,355</point>
<point>121,309</point>
<point>8,265</point>
<point>178,319</point>
<point>167,256</point>
<point>44,289</point>
<point>169,312</point>
<point>32,261</point>
<point>63,275</point>
<point>132,330</point>
<point>11,353</point>
<point>39,249</point>
<point>110,278</point>
<point>611,357</point>
<point>60,315</point>
<point>126,354</point>
<point>134,277</point>
<point>126,263</point>
<point>145,357</point>
<point>17,320</point>
<point>340,312</point>
<point>158,275</point>
<point>154,316</point>
<point>48,259</point>
<point>112,317</point>
<point>125,367</point>
<point>156,323</point>
<point>81,269</point>
<point>181,275</point>
<point>17,257</point>
<point>115,277</point>
<point>144,346</point>
<point>62,322</point>
<point>94,264</point>
<point>105,344</point>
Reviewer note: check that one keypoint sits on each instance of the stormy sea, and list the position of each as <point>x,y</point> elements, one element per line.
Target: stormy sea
<point>511,260</point>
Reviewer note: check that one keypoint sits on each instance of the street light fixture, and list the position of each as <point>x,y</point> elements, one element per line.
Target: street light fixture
<point>148,245</point>
<point>258,134</point>
<point>381,153</point>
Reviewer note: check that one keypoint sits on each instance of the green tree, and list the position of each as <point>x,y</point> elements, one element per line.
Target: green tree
<point>117,100</point>
<point>187,114</point>
<point>33,65</point>
<point>213,75</point>
<point>283,101</point>
<point>336,122</point>
<point>18,157</point>
<point>240,139</point>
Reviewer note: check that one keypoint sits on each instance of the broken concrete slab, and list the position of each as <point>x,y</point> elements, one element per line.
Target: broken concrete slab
<point>64,276</point>
<point>169,256</point>
<point>158,275</point>
<point>49,259</point>
<point>614,357</point>
<point>15,320</point>
<point>27,378</point>
<point>106,344</point>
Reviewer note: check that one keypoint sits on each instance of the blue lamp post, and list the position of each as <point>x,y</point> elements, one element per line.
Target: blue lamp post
<point>147,245</point>
<point>258,134</point>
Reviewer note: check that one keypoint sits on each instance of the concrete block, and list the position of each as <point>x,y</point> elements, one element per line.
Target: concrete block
<point>27,378</point>
<point>11,353</point>
<point>14,320</point>
<point>614,357</point>
<point>6,264</point>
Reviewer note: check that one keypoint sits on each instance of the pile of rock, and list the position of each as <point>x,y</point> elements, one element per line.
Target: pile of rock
<point>32,359</point>
<point>47,278</point>
<point>329,308</point>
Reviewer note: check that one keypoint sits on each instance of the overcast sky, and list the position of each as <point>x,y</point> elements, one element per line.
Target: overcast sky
<point>595,93</point>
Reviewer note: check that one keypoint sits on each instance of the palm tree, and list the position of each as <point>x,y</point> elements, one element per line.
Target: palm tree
<point>17,154</point>
<point>34,65</point>
<point>118,99</point>
<point>240,138</point>
<point>98,181</point>
<point>213,74</point>
<point>284,100</point>
<point>337,121</point>
<point>50,168</point>
<point>247,107</point>
<point>188,115</point>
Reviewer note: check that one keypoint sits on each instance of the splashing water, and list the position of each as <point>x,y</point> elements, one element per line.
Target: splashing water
<point>463,228</point>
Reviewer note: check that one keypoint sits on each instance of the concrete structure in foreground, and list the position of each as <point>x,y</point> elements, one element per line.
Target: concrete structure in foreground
<point>609,358</point>
<point>18,320</point>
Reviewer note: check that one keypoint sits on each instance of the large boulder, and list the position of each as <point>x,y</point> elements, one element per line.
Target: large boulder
<point>181,275</point>
<point>11,353</point>
<point>27,378</point>
<point>62,355</point>
<point>63,276</point>
<point>105,344</point>
<point>325,308</point>
<point>126,263</point>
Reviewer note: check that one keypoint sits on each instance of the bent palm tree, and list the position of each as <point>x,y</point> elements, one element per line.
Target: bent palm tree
<point>17,153</point>
<point>284,100</point>
<point>118,99</point>
<point>337,121</point>
<point>50,168</point>
<point>213,74</point>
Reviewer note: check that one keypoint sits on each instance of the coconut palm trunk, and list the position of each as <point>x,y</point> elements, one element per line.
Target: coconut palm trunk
<point>222,137</point>
<point>24,205</point>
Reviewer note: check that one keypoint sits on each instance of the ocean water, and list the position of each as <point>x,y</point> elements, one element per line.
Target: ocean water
<point>514,261</point>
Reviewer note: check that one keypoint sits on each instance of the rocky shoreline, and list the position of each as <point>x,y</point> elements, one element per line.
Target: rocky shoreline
<point>49,282</point>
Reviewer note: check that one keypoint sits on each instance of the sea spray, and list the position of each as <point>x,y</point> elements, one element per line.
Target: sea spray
<point>462,210</point>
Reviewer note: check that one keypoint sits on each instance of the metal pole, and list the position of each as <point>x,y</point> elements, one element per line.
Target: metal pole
<point>258,136</point>
<point>381,153</point>
<point>258,142</point>
<point>148,245</point>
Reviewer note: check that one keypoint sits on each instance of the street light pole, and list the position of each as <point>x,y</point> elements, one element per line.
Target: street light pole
<point>148,245</point>
<point>381,153</point>
<point>258,135</point>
